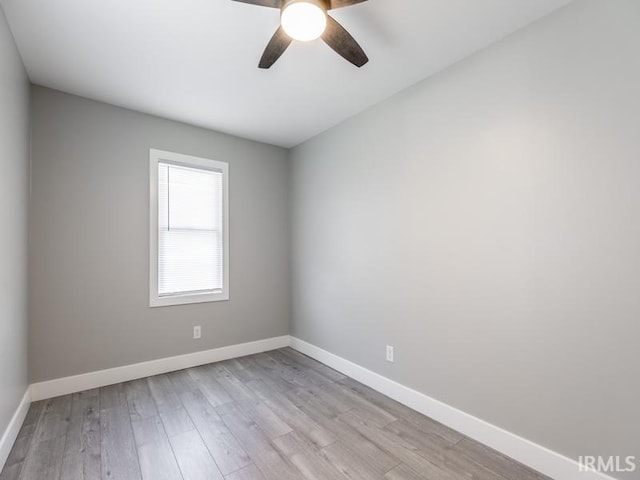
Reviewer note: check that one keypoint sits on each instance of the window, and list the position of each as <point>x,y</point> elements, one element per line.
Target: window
<point>189,234</point>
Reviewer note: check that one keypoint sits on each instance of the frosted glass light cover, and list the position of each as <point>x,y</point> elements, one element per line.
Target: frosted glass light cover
<point>304,21</point>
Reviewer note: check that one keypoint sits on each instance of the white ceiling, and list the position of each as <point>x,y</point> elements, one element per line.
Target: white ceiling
<point>196,60</point>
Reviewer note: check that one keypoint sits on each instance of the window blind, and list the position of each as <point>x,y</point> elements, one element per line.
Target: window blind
<point>190,236</point>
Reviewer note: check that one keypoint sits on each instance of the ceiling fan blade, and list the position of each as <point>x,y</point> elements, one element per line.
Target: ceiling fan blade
<point>263,3</point>
<point>343,3</point>
<point>343,43</point>
<point>276,47</point>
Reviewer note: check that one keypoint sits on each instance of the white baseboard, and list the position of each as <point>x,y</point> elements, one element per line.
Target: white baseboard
<point>11,433</point>
<point>524,451</point>
<point>102,378</point>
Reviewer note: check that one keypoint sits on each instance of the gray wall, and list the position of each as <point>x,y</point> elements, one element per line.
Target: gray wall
<point>14,194</point>
<point>89,276</point>
<point>485,222</point>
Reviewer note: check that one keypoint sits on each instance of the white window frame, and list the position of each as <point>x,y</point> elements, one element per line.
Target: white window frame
<point>155,157</point>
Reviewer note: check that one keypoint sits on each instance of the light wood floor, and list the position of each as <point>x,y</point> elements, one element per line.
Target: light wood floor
<point>273,416</point>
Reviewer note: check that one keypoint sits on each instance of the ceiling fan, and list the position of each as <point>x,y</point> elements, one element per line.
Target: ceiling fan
<point>307,20</point>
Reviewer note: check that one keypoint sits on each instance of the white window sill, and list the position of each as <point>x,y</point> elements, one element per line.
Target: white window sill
<point>155,301</point>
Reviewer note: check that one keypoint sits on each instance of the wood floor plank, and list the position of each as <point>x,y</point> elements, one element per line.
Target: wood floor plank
<point>270,423</point>
<point>141,403</point>
<point>174,417</point>
<point>350,463</point>
<point>248,433</point>
<point>375,414</point>
<point>119,457</point>
<point>292,415</point>
<point>494,461</point>
<point>463,467</point>
<point>398,410</point>
<point>301,397</point>
<point>294,376</point>
<point>212,390</point>
<point>269,368</point>
<point>20,450</point>
<point>410,437</point>
<point>380,461</point>
<point>313,375</point>
<point>157,461</point>
<point>176,422</point>
<point>436,450</point>
<point>248,473</point>
<point>265,374</point>
<point>333,405</point>
<point>31,420</point>
<point>242,368</point>
<point>83,445</point>
<point>194,459</point>
<point>45,455</point>
<point>397,449</point>
<point>308,362</point>
<point>11,472</point>
<point>54,419</point>
<point>163,394</point>
<point>307,458</point>
<point>227,452</point>
<point>266,458</point>
<point>403,472</point>
<point>44,460</point>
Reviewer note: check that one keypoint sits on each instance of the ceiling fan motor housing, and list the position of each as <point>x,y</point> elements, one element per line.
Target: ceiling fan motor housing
<point>323,4</point>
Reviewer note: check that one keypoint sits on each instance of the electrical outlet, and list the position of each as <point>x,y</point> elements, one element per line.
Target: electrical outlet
<point>389,353</point>
<point>197,332</point>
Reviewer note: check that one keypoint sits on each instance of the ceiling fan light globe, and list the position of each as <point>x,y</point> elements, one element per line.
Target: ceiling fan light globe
<point>304,21</point>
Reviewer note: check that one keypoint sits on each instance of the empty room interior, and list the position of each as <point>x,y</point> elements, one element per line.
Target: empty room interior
<point>393,240</point>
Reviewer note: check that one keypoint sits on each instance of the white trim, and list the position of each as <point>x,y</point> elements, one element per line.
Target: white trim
<point>524,451</point>
<point>156,156</point>
<point>102,378</point>
<point>11,433</point>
